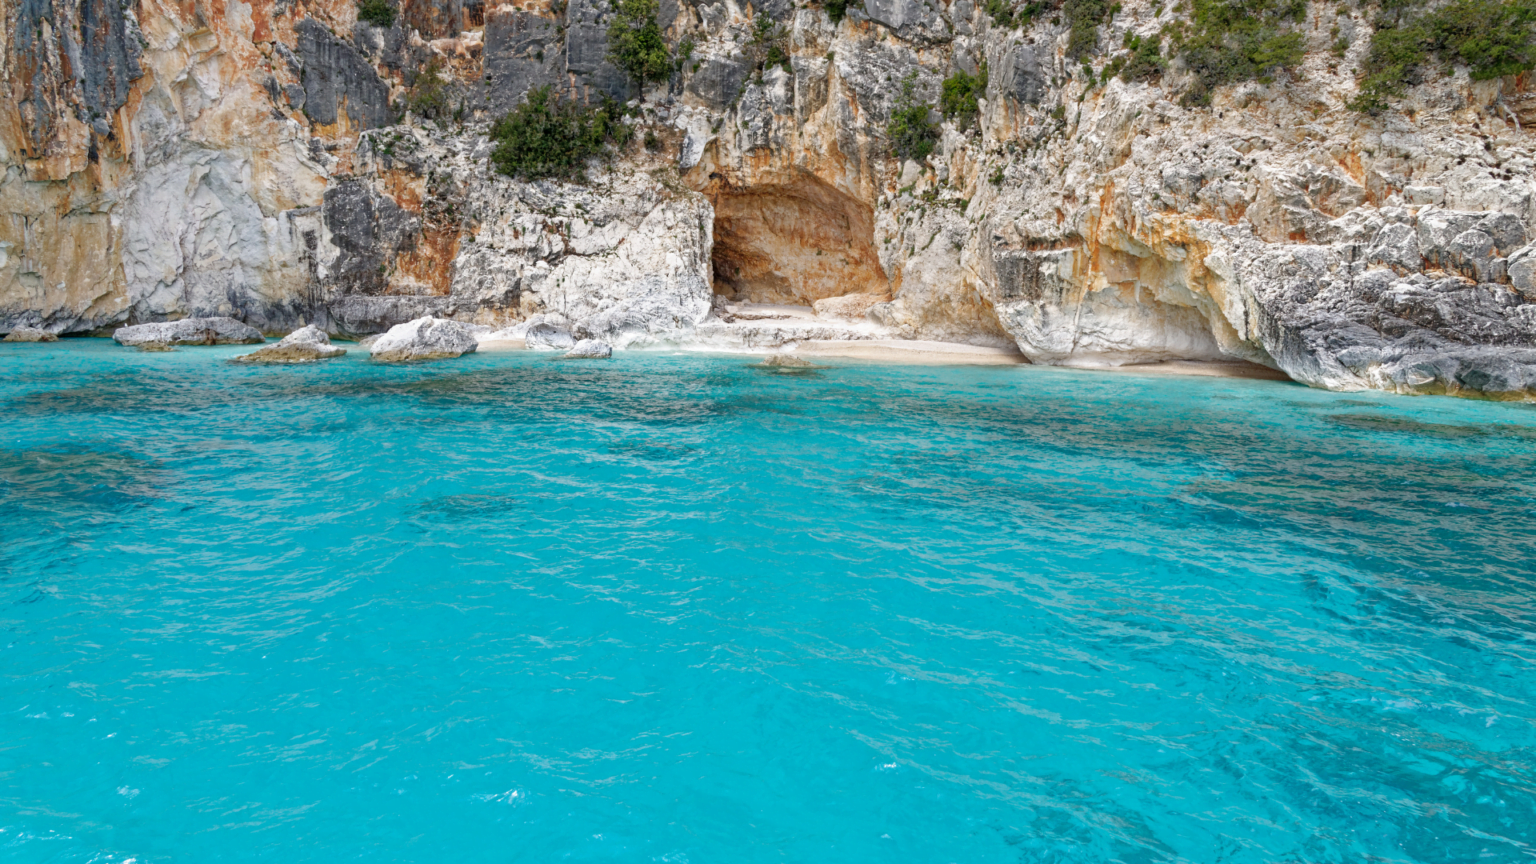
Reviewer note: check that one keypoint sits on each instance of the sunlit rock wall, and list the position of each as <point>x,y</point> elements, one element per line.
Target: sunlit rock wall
<point>260,161</point>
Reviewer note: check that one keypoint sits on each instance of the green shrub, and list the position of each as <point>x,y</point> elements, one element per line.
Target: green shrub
<point>959,99</point>
<point>836,9</point>
<point>1005,15</point>
<point>376,12</point>
<point>1083,19</point>
<point>635,43</point>
<point>429,92</point>
<point>549,137</point>
<point>1143,62</point>
<point>910,133</point>
<point>1492,38</point>
<point>1226,41</point>
<point>769,45</point>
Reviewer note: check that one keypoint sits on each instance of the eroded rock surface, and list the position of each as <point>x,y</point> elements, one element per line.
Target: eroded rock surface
<point>424,339</point>
<point>30,334</point>
<point>304,345</point>
<point>589,349</point>
<point>189,331</point>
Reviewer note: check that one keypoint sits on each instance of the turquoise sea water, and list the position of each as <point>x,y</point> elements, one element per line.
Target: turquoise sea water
<point>679,609</point>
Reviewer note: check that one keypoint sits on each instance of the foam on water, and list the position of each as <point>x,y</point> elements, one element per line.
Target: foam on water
<point>676,608</point>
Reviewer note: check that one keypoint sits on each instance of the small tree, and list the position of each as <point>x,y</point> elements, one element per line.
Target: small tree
<point>769,45</point>
<point>376,12</point>
<point>910,133</point>
<point>548,137</point>
<point>635,43</point>
<point>961,96</point>
<point>429,93</point>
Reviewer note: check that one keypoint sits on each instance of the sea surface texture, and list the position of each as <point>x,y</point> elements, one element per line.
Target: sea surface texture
<point>682,609</point>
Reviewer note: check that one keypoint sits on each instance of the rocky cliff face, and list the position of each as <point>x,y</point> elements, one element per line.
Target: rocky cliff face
<point>263,161</point>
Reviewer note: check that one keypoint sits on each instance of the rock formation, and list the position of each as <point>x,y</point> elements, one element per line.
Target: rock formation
<point>589,349</point>
<point>30,334</point>
<point>305,345</point>
<point>424,339</point>
<point>280,163</point>
<point>189,331</point>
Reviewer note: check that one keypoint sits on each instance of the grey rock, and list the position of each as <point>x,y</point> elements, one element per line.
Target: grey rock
<point>1396,245</point>
<point>1380,330</point>
<point>522,51</point>
<point>719,81</point>
<point>109,55</point>
<point>361,315</point>
<point>335,74</point>
<point>1472,253</point>
<point>902,16</point>
<point>367,229</point>
<point>590,349</point>
<point>1021,78</point>
<point>306,345</point>
<point>786,361</point>
<point>586,46</point>
<point>1521,269</point>
<point>189,331</point>
<point>424,339</point>
<point>548,337</point>
<point>30,334</point>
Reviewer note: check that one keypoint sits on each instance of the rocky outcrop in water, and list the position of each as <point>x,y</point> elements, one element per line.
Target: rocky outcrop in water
<point>265,164</point>
<point>589,349</point>
<point>304,345</point>
<point>424,339</point>
<point>189,331</point>
<point>30,334</point>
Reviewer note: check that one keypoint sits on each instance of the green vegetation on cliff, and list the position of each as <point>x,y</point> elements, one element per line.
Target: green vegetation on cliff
<point>1143,62</point>
<point>379,13</point>
<point>769,45</point>
<point>635,43</point>
<point>1227,41</point>
<point>961,94</point>
<point>910,133</point>
<point>549,137</point>
<point>1492,38</point>
<point>428,96</point>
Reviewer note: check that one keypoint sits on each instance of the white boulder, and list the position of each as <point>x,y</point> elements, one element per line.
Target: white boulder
<point>424,339</point>
<point>590,349</point>
<point>189,331</point>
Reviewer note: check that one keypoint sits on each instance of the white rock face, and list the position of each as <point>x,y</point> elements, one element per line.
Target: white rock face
<point>424,339</point>
<point>547,336</point>
<point>189,331</point>
<point>590,349</point>
<point>1083,219</point>
<point>308,344</point>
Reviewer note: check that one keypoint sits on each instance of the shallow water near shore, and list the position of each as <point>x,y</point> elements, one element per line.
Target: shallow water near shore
<point>681,609</point>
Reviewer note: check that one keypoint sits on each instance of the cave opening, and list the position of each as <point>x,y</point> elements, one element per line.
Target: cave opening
<point>793,242</point>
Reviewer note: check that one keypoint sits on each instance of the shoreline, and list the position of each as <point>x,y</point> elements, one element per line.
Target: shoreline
<point>918,352</point>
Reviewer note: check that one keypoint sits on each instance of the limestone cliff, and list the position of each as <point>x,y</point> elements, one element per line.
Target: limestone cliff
<point>273,161</point>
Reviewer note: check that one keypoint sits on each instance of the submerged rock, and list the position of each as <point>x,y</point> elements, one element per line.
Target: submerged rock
<point>155,347</point>
<point>424,339</point>
<point>305,345</point>
<point>786,361</point>
<point>590,349</point>
<point>189,331</point>
<point>30,334</point>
